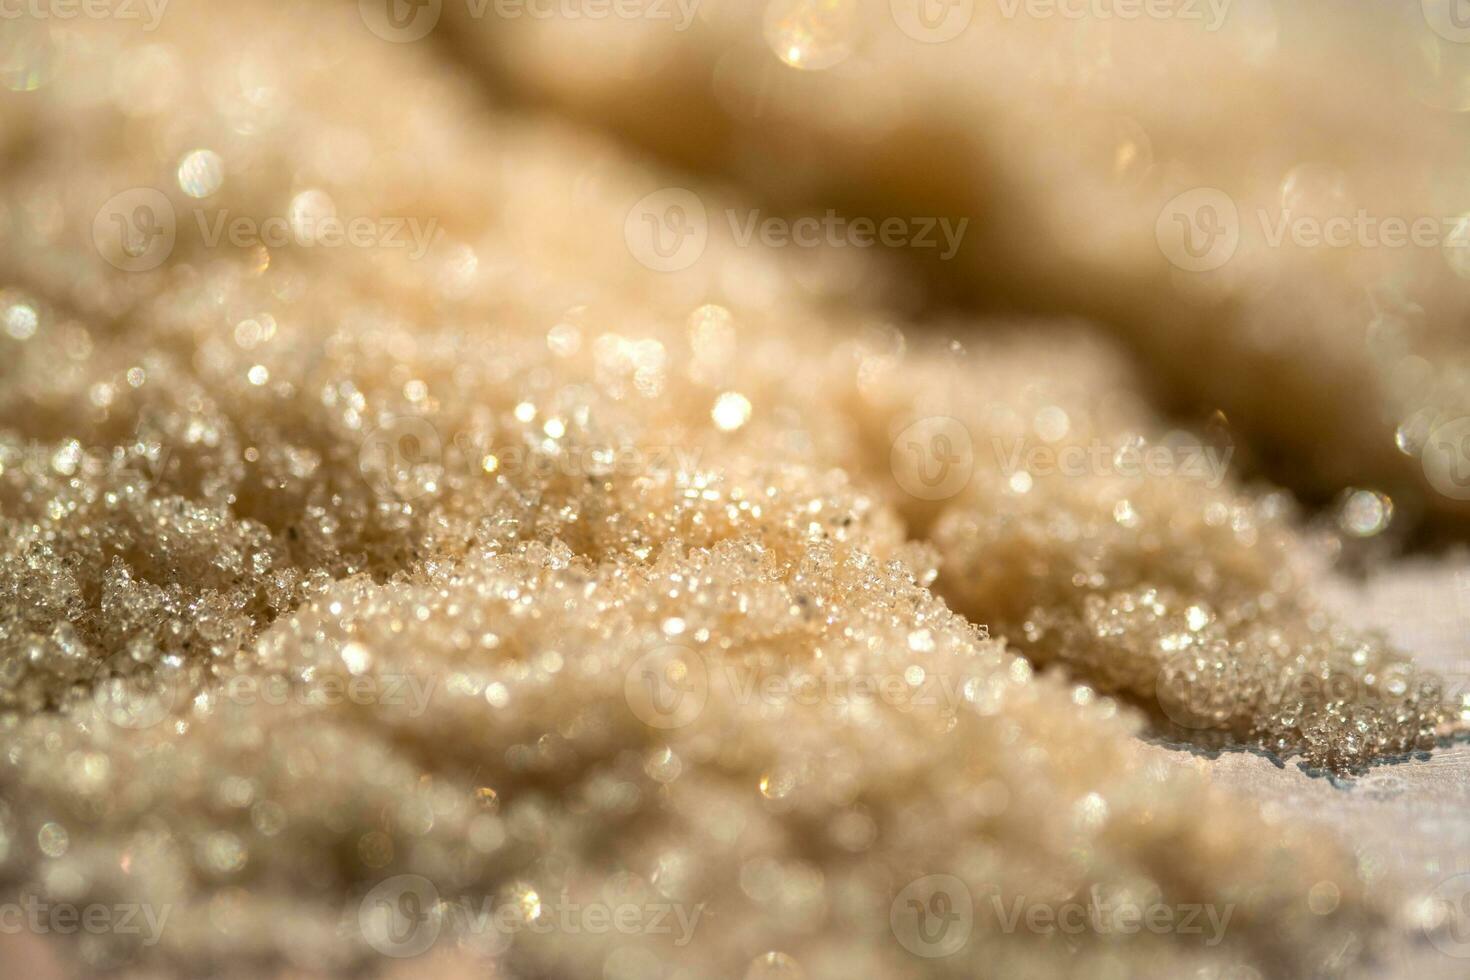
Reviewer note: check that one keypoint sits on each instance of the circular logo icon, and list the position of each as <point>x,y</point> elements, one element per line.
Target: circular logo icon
<point>400,21</point>
<point>1448,921</point>
<point>932,21</point>
<point>1194,691</point>
<point>667,688</point>
<point>135,230</point>
<point>1446,458</point>
<point>401,917</point>
<point>933,458</point>
<point>1450,19</point>
<point>812,35</point>
<point>1199,230</point>
<point>933,916</point>
<point>133,695</point>
<point>402,458</point>
<point>668,230</point>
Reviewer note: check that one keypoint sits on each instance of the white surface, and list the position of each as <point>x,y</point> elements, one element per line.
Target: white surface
<point>1409,819</point>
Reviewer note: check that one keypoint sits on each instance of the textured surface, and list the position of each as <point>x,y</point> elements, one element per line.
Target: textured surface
<point>561,494</point>
<point>1408,818</point>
